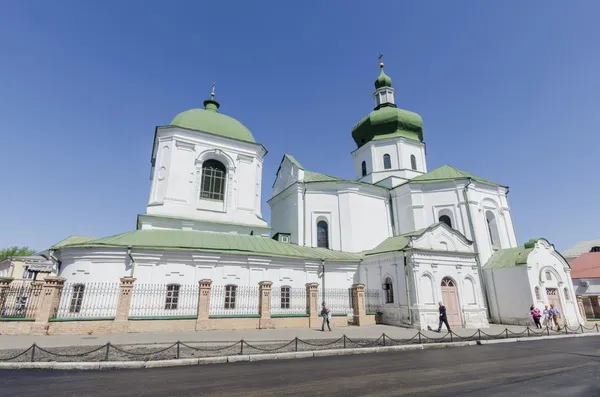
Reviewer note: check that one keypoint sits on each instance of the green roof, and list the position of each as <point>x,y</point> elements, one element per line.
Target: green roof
<point>388,122</point>
<point>447,173</point>
<point>293,160</point>
<point>211,121</point>
<point>71,240</point>
<point>383,80</point>
<point>215,242</point>
<point>397,243</point>
<point>511,257</point>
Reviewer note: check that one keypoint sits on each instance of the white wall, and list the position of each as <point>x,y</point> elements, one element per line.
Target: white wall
<point>509,295</point>
<point>175,189</point>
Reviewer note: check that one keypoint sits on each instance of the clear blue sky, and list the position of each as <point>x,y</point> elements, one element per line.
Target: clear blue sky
<point>508,91</point>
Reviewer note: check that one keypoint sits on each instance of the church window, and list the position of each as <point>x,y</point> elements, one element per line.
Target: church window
<point>322,234</point>
<point>363,167</point>
<point>76,298</point>
<point>493,229</point>
<point>387,162</point>
<point>389,290</point>
<point>447,282</point>
<point>172,298</point>
<point>285,297</point>
<point>538,296</point>
<point>595,249</point>
<point>413,162</point>
<point>548,276</point>
<point>446,219</point>
<point>567,296</point>
<point>213,180</point>
<point>230,292</point>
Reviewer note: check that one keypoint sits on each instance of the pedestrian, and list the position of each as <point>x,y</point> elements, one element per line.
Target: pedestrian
<point>326,313</point>
<point>548,317</point>
<point>555,316</point>
<point>536,314</point>
<point>443,318</point>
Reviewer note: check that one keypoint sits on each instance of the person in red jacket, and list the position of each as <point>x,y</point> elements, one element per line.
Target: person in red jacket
<point>536,314</point>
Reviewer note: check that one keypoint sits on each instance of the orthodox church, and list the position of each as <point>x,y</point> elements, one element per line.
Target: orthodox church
<point>418,236</point>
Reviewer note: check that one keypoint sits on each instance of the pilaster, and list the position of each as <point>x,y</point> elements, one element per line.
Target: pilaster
<point>121,322</point>
<point>265,305</point>
<point>202,322</point>
<point>48,306</point>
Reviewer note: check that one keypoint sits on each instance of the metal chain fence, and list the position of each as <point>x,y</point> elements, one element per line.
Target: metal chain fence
<point>179,349</point>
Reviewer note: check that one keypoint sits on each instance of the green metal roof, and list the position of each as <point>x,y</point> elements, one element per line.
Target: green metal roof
<point>383,80</point>
<point>215,242</point>
<point>71,240</point>
<point>446,172</point>
<point>511,257</point>
<point>209,120</point>
<point>388,122</point>
<point>397,243</point>
<point>293,160</point>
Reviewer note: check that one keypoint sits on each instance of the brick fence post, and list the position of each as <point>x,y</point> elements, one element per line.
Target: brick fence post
<point>312,296</point>
<point>48,306</point>
<point>359,306</point>
<point>202,322</point>
<point>265,305</point>
<point>121,323</point>
<point>36,288</point>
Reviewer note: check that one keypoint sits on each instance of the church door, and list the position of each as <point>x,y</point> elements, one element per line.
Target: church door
<point>554,299</point>
<point>450,300</point>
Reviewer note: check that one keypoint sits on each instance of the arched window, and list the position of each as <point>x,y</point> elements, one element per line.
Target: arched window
<point>537,294</point>
<point>76,298</point>
<point>447,282</point>
<point>230,292</point>
<point>363,167</point>
<point>567,296</point>
<point>172,299</point>
<point>213,180</point>
<point>446,219</point>
<point>285,297</point>
<point>413,162</point>
<point>322,234</point>
<point>389,290</point>
<point>387,162</point>
<point>548,276</point>
<point>493,229</point>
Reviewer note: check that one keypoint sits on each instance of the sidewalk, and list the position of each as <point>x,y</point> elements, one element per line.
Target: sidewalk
<point>255,335</point>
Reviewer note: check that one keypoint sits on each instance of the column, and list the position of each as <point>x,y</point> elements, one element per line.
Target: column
<point>202,322</point>
<point>123,305</point>
<point>265,305</point>
<point>48,306</point>
<point>359,306</point>
<point>312,295</point>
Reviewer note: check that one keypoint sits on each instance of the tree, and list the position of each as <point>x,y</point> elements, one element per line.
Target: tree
<point>15,251</point>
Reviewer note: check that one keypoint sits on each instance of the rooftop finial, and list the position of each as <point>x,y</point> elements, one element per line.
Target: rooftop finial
<point>380,61</point>
<point>212,92</point>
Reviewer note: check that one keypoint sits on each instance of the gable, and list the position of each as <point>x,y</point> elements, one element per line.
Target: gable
<point>440,237</point>
<point>289,172</point>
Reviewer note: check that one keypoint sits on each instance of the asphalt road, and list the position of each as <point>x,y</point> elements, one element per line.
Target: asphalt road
<point>564,367</point>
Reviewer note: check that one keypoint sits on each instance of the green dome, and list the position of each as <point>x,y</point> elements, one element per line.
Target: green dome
<point>388,122</point>
<point>383,80</point>
<point>209,120</point>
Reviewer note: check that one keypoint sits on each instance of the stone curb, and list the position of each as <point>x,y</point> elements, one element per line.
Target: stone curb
<point>264,357</point>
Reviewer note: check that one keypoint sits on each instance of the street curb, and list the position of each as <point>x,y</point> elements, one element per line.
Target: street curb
<point>265,357</point>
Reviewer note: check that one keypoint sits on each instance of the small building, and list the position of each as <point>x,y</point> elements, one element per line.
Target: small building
<point>23,268</point>
<point>534,273</point>
<point>585,272</point>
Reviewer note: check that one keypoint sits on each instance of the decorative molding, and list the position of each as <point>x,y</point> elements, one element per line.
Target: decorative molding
<point>245,158</point>
<point>183,145</point>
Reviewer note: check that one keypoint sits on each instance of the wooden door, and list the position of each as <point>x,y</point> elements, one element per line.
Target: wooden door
<point>450,300</point>
<point>554,299</point>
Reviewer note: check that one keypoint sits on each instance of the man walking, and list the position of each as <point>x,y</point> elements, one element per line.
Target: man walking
<point>443,318</point>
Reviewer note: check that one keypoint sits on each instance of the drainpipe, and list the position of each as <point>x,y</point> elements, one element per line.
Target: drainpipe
<point>304,214</point>
<point>476,247</point>
<point>406,281</point>
<point>323,280</point>
<point>132,261</point>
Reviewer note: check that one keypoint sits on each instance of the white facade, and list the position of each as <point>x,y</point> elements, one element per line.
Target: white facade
<point>544,279</point>
<point>437,257</point>
<point>177,159</point>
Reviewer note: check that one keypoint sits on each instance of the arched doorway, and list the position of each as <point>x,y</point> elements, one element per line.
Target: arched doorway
<point>450,300</point>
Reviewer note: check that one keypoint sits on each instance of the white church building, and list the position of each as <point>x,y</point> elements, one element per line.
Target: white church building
<point>417,236</point>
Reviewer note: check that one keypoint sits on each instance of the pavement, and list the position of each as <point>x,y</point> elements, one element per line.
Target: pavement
<point>254,335</point>
<point>552,368</point>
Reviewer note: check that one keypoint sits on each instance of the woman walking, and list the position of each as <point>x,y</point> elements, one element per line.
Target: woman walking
<point>536,314</point>
<point>326,313</point>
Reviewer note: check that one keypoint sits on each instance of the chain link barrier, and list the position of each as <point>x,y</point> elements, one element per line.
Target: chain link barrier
<point>110,352</point>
